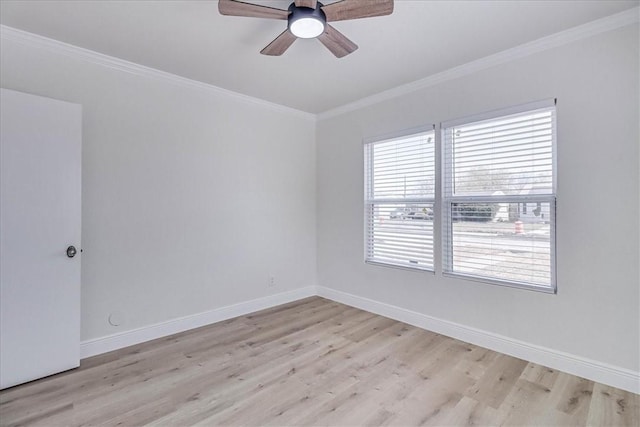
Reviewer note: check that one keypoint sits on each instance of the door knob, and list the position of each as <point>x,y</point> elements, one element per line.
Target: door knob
<point>71,251</point>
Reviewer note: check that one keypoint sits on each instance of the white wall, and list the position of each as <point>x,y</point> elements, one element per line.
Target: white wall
<point>595,314</point>
<point>191,199</point>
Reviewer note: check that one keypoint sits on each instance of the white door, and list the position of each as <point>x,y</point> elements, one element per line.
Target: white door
<point>40,165</point>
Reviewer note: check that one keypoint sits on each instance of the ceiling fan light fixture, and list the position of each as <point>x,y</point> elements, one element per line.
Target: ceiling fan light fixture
<point>309,19</point>
<point>307,28</point>
<point>306,23</point>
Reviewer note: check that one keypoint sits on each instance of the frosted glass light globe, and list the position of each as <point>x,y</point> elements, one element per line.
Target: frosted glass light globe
<point>306,28</point>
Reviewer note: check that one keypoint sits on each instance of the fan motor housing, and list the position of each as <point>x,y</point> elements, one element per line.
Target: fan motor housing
<point>308,15</point>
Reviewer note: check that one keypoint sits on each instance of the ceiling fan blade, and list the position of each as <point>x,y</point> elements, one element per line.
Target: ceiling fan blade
<point>306,3</point>
<point>354,9</point>
<point>238,8</point>
<point>336,42</point>
<point>280,44</point>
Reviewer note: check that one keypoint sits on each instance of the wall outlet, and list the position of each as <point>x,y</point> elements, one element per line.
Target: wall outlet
<point>272,281</point>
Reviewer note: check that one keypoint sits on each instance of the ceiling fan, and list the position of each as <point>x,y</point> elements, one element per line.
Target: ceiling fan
<point>309,19</point>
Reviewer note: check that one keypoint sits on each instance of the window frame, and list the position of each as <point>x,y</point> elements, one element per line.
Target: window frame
<point>447,198</point>
<point>370,202</point>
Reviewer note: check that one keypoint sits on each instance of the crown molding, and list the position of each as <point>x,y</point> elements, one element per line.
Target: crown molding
<point>79,53</point>
<point>609,23</point>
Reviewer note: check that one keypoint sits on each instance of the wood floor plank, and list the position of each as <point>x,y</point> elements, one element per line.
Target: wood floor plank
<point>613,407</point>
<point>541,375</point>
<point>313,362</point>
<point>496,383</point>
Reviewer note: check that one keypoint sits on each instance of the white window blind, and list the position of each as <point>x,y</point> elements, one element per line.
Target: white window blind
<point>499,197</point>
<point>399,197</point>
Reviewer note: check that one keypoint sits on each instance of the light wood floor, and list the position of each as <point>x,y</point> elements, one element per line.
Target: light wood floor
<point>313,362</point>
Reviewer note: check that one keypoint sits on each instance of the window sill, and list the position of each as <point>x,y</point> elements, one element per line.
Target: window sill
<point>400,267</point>
<point>489,281</point>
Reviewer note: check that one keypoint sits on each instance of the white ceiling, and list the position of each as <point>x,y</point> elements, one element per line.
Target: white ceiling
<point>191,39</point>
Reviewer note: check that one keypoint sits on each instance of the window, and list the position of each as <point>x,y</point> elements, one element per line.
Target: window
<point>499,197</point>
<point>399,198</point>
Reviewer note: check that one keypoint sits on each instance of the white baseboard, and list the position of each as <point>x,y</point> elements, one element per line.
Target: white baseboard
<point>593,370</point>
<point>108,343</point>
